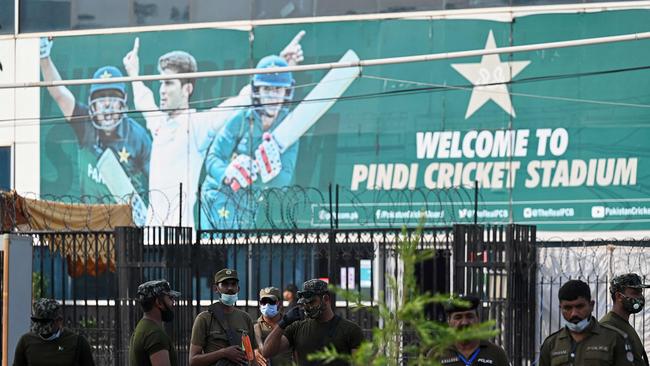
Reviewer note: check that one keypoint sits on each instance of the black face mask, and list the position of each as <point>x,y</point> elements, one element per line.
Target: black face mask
<point>315,312</point>
<point>167,315</point>
<point>633,305</point>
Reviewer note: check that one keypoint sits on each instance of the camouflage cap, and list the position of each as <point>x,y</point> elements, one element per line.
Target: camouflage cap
<point>44,312</point>
<point>272,293</point>
<point>631,280</point>
<point>310,289</point>
<point>225,274</point>
<point>155,288</point>
<point>453,307</point>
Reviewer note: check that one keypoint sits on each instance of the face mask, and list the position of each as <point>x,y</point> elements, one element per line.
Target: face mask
<point>50,337</point>
<point>228,300</point>
<point>633,305</point>
<point>578,327</point>
<point>269,310</point>
<point>315,312</point>
<point>167,315</point>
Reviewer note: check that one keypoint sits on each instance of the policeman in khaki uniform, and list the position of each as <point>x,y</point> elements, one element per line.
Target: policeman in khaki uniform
<point>272,311</point>
<point>582,341</point>
<point>472,352</point>
<point>627,295</point>
<point>218,333</point>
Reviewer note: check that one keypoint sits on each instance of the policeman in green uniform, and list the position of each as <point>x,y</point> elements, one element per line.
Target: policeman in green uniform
<point>322,328</point>
<point>582,341</point>
<point>627,295</point>
<point>149,344</point>
<point>271,309</point>
<point>49,343</point>
<point>472,352</point>
<point>217,333</point>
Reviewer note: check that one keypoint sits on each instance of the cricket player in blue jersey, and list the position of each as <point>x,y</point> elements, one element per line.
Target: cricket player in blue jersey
<point>244,158</point>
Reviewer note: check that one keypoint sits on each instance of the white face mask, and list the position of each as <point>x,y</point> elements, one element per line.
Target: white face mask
<point>578,327</point>
<point>269,310</point>
<point>229,300</point>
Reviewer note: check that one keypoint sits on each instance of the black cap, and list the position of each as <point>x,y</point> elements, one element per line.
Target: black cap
<point>453,307</point>
<point>631,280</point>
<point>310,289</point>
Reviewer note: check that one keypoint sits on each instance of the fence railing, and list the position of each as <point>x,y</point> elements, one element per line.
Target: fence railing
<point>95,274</point>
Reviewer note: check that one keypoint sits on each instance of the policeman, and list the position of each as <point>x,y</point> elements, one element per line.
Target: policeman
<point>271,309</point>
<point>149,344</point>
<point>322,328</point>
<point>582,341</point>
<point>627,294</point>
<point>471,352</point>
<point>49,343</point>
<point>218,333</point>
<point>290,295</point>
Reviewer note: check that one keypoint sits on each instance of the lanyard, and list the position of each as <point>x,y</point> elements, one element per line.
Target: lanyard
<point>471,359</point>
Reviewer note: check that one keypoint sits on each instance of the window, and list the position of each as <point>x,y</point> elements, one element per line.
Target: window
<point>49,15</point>
<point>5,168</point>
<point>6,16</point>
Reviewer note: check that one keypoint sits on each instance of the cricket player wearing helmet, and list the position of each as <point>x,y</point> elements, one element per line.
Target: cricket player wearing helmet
<point>244,149</point>
<point>101,125</point>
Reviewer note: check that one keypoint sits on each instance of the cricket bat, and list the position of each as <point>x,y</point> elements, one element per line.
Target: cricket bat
<point>307,113</point>
<point>120,185</point>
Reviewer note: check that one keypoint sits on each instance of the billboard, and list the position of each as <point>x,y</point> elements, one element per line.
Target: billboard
<point>555,137</point>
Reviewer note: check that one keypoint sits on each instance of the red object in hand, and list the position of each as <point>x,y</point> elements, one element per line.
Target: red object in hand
<point>248,348</point>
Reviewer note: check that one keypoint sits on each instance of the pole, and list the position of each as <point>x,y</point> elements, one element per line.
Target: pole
<point>180,204</point>
<point>198,224</point>
<point>475,202</point>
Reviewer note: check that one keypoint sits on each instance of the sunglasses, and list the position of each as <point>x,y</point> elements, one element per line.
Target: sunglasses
<point>266,301</point>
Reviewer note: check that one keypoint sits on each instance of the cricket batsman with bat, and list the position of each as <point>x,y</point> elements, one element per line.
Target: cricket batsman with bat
<point>230,163</point>
<point>262,142</point>
<point>182,135</point>
<point>114,150</point>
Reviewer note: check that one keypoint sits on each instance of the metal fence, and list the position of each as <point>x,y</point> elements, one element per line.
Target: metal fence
<point>356,260</point>
<point>499,264</point>
<point>95,274</point>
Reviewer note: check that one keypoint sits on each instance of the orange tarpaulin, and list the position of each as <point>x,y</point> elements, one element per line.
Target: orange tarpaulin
<point>80,232</point>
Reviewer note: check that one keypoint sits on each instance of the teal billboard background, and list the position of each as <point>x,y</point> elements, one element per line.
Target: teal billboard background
<point>579,159</point>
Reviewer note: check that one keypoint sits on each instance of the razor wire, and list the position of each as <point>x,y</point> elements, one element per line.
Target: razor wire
<point>291,207</point>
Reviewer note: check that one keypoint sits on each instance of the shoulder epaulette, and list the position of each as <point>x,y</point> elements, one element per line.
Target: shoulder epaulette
<point>611,327</point>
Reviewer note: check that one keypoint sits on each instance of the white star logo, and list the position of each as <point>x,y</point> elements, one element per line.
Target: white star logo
<point>489,78</point>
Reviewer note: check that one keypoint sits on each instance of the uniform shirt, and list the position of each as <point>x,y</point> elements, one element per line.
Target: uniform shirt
<point>488,354</point>
<point>263,329</point>
<point>148,338</point>
<point>309,336</point>
<point>615,320</point>
<point>229,209</point>
<point>208,334</point>
<point>129,142</point>
<point>601,347</point>
<point>33,351</point>
<point>177,154</point>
